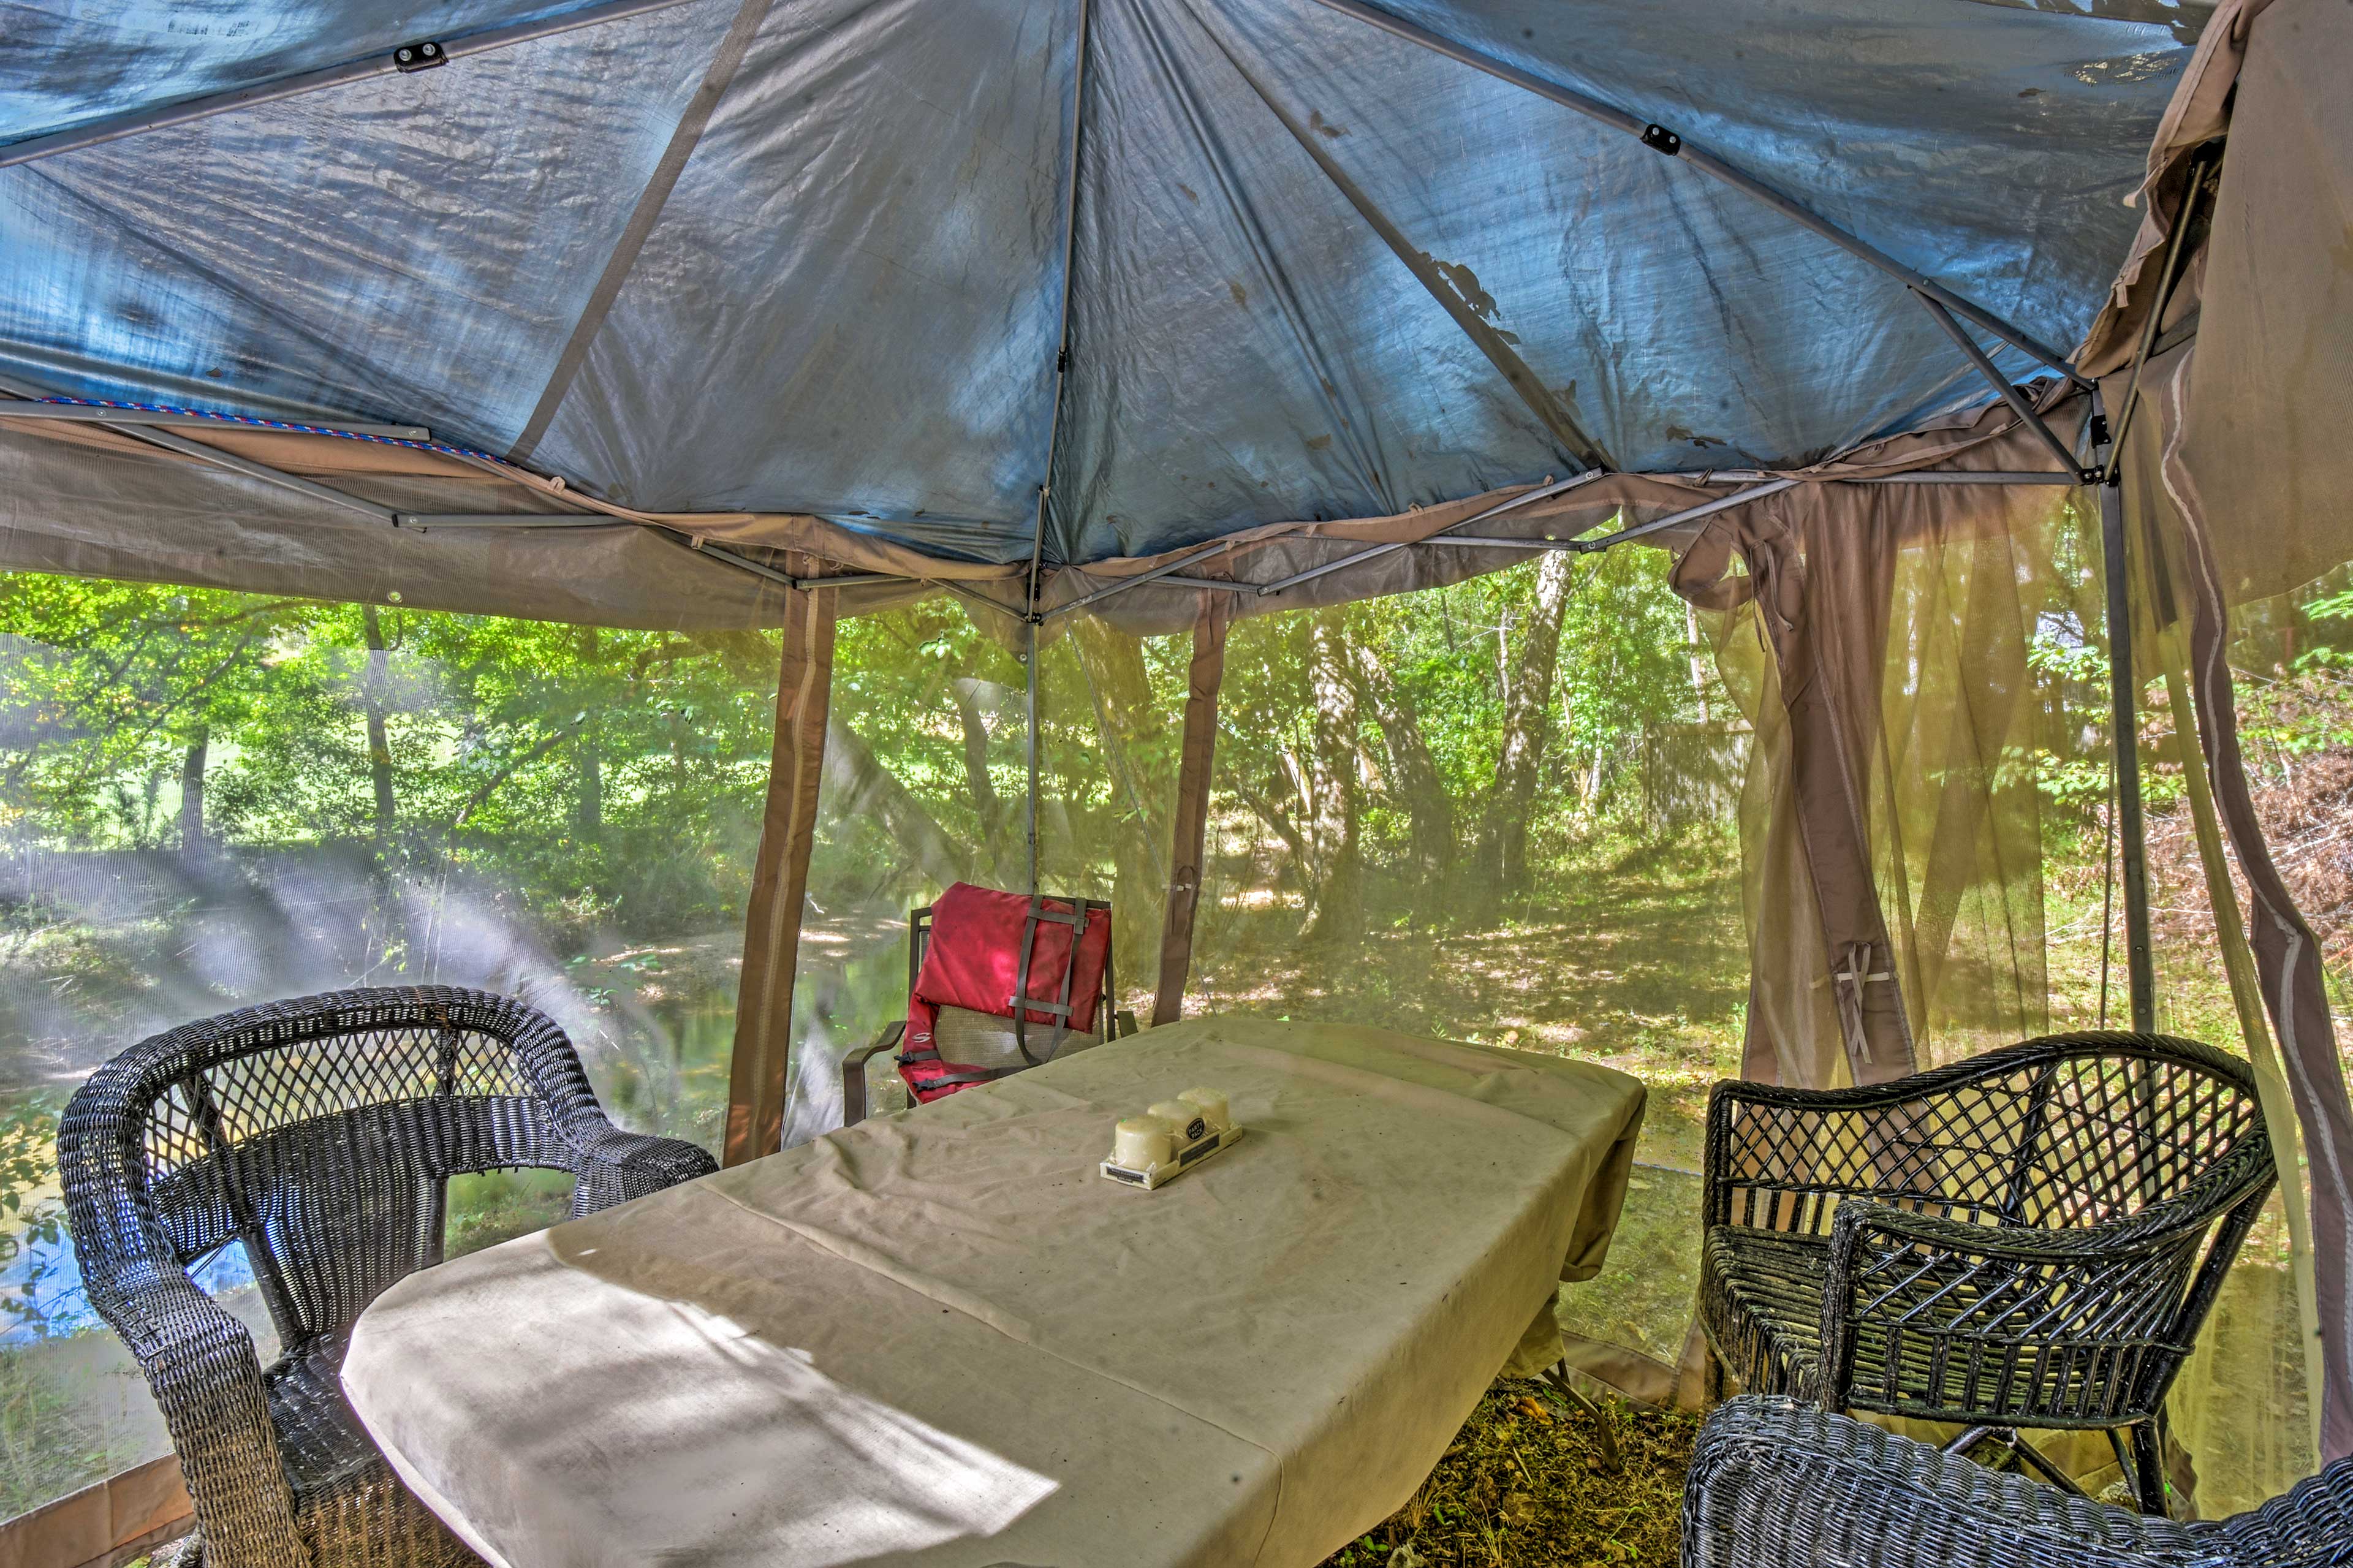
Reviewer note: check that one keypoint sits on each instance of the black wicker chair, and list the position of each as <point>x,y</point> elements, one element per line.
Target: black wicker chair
<point>320,1133</point>
<point>2029,1238</point>
<point>1777,1484</point>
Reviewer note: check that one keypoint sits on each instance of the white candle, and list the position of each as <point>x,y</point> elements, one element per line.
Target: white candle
<point>1140,1142</point>
<point>1212,1105</point>
<point>1181,1118</point>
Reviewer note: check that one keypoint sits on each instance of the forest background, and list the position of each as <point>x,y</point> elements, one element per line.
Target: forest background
<point>1502,811</point>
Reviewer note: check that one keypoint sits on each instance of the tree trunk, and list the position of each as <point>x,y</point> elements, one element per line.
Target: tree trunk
<point>372,696</point>
<point>857,783</point>
<point>1333,768</point>
<point>589,814</point>
<point>192,794</point>
<point>1527,730</point>
<point>1698,659</point>
<point>1135,740</point>
<point>967,693</point>
<point>1303,859</point>
<point>1429,814</point>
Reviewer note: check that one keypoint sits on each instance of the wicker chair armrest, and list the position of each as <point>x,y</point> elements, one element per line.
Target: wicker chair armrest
<point>1897,1265</point>
<point>614,1166</point>
<point>1775,1482</point>
<point>853,1070</point>
<point>201,1368</point>
<point>2150,1229</point>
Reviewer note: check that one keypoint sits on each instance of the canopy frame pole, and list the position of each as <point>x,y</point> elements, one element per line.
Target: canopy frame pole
<point>1689,514</point>
<point>104,413</point>
<point>1030,619</point>
<point>2123,721</point>
<point>1141,578</point>
<point>756,1072</point>
<point>745,563</point>
<point>2073,480</point>
<point>113,127</point>
<point>1667,142</point>
<point>1542,492</point>
<point>2001,384</point>
<point>1170,573</point>
<point>168,442</point>
<point>1188,851</point>
<point>1029,747</point>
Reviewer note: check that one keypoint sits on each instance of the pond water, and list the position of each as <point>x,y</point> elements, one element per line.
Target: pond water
<point>97,952</point>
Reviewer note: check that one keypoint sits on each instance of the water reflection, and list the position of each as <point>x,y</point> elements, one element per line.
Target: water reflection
<point>101,948</point>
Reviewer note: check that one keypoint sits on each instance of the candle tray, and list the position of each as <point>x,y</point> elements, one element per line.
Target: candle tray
<point>1160,1175</point>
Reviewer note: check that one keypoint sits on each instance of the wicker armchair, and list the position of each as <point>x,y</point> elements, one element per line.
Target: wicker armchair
<point>1777,1484</point>
<point>320,1133</point>
<point>2029,1238</point>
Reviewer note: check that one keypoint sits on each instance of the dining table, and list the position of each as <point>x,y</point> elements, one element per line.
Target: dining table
<point>942,1338</point>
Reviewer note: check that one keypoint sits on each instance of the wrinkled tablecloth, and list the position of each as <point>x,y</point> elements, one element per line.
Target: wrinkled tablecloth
<point>943,1338</point>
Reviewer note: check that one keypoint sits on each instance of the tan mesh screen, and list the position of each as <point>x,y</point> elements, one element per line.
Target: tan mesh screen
<point>211,799</point>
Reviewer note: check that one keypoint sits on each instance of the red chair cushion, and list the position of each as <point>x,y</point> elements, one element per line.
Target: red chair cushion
<point>973,959</point>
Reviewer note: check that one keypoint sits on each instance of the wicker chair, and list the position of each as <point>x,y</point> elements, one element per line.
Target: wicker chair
<point>320,1133</point>
<point>1777,1484</point>
<point>2029,1238</point>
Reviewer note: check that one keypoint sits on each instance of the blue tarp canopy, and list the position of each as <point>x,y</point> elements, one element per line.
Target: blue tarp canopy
<point>823,257</point>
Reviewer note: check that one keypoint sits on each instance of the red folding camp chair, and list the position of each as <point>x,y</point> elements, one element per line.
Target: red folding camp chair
<point>968,957</point>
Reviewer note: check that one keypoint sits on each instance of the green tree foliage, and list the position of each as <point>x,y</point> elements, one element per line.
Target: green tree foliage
<point>1516,704</point>
<point>614,773</point>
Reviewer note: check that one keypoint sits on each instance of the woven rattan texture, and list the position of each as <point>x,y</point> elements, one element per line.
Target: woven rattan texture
<point>320,1133</point>
<point>1775,1482</point>
<point>2029,1237</point>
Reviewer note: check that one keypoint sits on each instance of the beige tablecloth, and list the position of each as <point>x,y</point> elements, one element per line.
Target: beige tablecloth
<point>942,1338</point>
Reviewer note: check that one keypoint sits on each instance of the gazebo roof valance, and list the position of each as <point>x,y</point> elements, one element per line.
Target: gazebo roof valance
<point>1193,266</point>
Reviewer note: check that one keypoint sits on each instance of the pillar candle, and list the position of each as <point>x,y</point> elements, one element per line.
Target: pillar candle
<point>1212,1105</point>
<point>1140,1142</point>
<point>1179,1115</point>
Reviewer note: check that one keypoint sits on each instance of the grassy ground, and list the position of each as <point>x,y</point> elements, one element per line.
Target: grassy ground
<point>1633,958</point>
<point>1523,1485</point>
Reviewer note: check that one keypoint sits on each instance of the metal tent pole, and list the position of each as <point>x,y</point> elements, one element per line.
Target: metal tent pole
<point>1141,578</point>
<point>2124,724</point>
<point>1659,139</point>
<point>2001,382</point>
<point>1542,492</point>
<point>1689,514</point>
<point>102,414</point>
<point>155,437</point>
<point>1029,614</point>
<point>1029,662</point>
